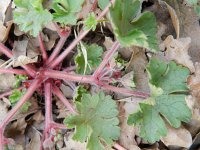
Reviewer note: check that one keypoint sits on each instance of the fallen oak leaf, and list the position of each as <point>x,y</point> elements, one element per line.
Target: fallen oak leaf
<point>177,49</point>
<point>177,137</point>
<point>24,60</point>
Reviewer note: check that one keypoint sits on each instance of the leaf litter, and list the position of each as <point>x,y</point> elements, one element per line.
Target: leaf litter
<point>177,49</point>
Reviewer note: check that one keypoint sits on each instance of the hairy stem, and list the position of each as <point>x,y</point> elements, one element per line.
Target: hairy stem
<point>69,77</point>
<point>58,47</point>
<point>93,81</point>
<point>108,56</point>
<point>13,71</point>
<point>42,48</point>
<point>77,40</point>
<point>63,99</point>
<point>13,111</point>
<point>123,90</point>
<point>48,107</point>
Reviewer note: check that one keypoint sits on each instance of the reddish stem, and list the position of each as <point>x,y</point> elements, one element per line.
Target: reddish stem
<point>94,6</point>
<point>118,147</point>
<point>69,77</point>
<point>63,99</point>
<point>77,40</point>
<point>58,48</point>
<point>13,111</point>
<point>123,90</point>
<point>108,56</point>
<point>48,107</point>
<point>9,92</point>
<point>5,50</point>
<point>91,80</point>
<point>9,54</point>
<point>42,48</point>
<point>13,71</point>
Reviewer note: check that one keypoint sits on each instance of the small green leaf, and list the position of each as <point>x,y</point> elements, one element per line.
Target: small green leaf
<point>90,22</point>
<point>96,121</point>
<point>65,11</point>
<point>131,27</point>
<point>80,90</point>
<point>30,16</point>
<point>16,96</point>
<point>94,53</point>
<point>165,81</point>
<point>19,80</point>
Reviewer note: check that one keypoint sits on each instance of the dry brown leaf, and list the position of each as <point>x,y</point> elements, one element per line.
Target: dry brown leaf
<point>194,83</point>
<point>71,144</point>
<point>175,20</point>
<point>127,80</point>
<point>34,141</point>
<point>128,133</point>
<point>194,125</point>
<point>3,110</point>
<point>19,48</point>
<point>24,60</point>
<point>3,7</point>
<point>38,117</point>
<point>62,110</point>
<point>177,49</point>
<point>6,80</point>
<point>177,137</point>
<point>2,31</point>
<point>67,91</point>
<point>18,126</point>
<point>138,64</point>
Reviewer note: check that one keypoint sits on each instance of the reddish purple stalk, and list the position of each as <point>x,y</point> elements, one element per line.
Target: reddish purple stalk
<point>42,48</point>
<point>48,107</point>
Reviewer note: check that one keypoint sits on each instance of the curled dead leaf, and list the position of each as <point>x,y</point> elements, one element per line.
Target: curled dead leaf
<point>175,20</point>
<point>177,49</point>
<point>4,31</point>
<point>177,137</point>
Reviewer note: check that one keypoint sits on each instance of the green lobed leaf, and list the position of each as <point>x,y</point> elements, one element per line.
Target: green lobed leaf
<point>131,27</point>
<point>19,80</point>
<point>90,22</point>
<point>169,77</point>
<point>16,96</point>
<point>79,91</point>
<point>30,16</point>
<point>165,81</point>
<point>94,53</point>
<point>65,11</point>
<point>96,121</point>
